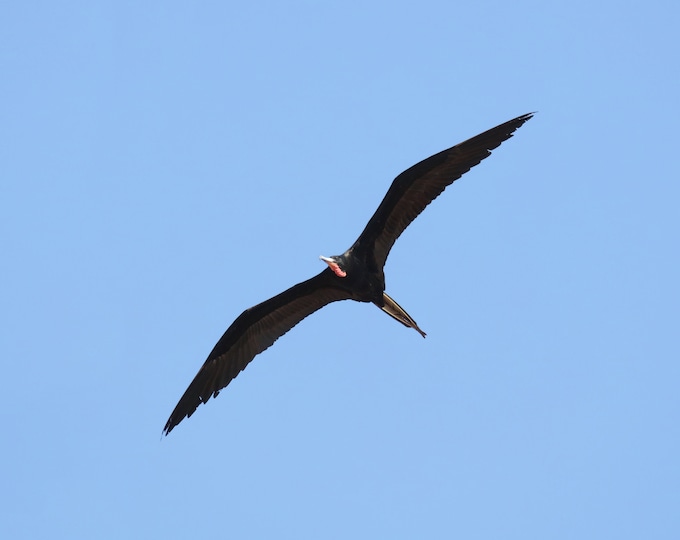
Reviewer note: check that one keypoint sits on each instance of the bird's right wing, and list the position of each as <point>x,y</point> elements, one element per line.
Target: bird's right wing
<point>256,329</point>
<point>419,185</point>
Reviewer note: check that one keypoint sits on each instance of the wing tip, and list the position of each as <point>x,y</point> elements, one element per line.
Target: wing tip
<point>524,118</point>
<point>171,424</point>
<point>181,412</point>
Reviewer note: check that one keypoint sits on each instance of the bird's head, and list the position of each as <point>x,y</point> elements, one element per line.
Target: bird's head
<point>336,264</point>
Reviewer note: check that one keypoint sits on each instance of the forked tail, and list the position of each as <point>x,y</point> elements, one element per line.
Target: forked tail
<point>397,312</point>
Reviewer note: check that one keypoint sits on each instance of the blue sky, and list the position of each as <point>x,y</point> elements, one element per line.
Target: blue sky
<point>165,166</point>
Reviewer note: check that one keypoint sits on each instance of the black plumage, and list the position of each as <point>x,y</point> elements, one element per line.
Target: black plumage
<point>357,274</point>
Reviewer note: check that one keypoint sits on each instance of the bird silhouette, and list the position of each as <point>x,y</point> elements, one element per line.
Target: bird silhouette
<point>357,274</point>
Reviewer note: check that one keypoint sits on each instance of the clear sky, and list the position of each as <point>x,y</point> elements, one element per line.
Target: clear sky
<point>165,165</point>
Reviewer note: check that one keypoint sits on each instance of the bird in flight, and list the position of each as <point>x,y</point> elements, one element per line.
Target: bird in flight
<point>357,274</point>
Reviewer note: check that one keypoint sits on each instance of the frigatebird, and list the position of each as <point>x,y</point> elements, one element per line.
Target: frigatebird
<point>357,274</point>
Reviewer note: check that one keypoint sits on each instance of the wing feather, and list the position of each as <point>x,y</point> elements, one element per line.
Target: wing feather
<point>419,185</point>
<point>255,330</point>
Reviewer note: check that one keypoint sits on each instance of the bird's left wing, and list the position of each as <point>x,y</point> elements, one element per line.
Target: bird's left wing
<point>256,329</point>
<point>419,185</point>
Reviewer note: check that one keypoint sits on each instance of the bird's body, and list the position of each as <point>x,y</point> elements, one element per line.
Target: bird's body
<point>357,274</point>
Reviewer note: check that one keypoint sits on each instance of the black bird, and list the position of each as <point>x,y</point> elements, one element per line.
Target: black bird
<point>357,274</point>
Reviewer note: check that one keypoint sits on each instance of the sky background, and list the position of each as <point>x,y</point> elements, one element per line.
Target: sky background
<point>165,165</point>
